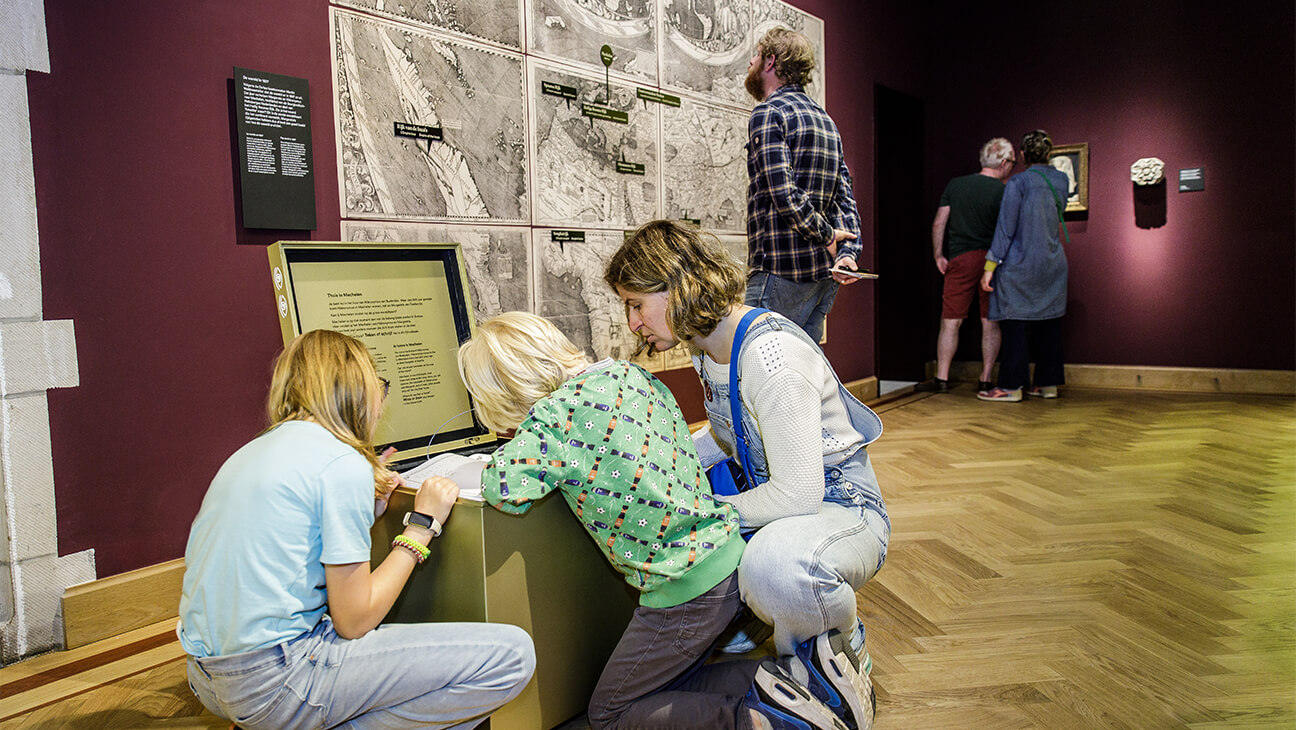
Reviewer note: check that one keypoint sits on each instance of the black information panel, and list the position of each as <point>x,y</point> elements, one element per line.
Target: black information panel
<point>272,115</point>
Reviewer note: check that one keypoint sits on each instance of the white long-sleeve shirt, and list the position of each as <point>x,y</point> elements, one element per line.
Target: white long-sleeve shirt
<point>792,392</point>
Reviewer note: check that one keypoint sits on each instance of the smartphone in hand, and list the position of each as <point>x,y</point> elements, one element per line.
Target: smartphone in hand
<point>862,274</point>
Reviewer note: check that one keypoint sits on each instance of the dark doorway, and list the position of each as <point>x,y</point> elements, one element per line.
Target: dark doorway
<point>908,285</point>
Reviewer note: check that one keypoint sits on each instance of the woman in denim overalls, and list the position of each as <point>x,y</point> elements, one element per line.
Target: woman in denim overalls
<point>814,514</point>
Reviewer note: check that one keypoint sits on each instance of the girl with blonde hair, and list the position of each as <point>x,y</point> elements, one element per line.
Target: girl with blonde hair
<point>280,611</point>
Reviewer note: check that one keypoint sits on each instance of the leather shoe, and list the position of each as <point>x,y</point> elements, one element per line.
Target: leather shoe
<point>935,385</point>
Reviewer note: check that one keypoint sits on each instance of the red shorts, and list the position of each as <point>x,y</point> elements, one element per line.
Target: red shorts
<point>962,280</point>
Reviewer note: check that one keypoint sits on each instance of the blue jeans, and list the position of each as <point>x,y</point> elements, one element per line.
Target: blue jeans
<point>438,675</point>
<point>800,574</point>
<point>805,304</point>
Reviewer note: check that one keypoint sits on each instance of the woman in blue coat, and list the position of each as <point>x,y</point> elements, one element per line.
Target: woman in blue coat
<point>1026,275</point>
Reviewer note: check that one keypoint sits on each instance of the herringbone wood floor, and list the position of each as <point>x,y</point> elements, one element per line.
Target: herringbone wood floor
<point>1107,559</point>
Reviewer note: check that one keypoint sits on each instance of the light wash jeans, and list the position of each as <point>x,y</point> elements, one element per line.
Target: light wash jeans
<point>799,574</point>
<point>440,675</point>
<point>806,304</point>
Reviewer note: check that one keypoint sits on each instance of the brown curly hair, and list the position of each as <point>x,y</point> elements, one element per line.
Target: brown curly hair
<point>702,282</point>
<point>794,57</point>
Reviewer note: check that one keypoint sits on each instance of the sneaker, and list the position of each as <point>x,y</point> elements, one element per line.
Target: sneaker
<point>1047,391</point>
<point>935,385</point>
<point>787,705</point>
<point>984,386</point>
<point>836,678</point>
<point>857,644</point>
<point>1008,396</point>
<point>744,634</point>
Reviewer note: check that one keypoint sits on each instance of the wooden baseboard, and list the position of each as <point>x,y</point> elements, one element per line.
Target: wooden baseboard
<point>1140,377</point>
<point>120,603</point>
<point>866,389</point>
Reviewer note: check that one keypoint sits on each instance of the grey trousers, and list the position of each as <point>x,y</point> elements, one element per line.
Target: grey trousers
<point>657,677</point>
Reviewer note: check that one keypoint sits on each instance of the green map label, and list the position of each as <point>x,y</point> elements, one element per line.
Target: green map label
<point>607,114</point>
<point>657,96</point>
<point>567,236</point>
<point>630,168</point>
<point>418,131</point>
<point>554,89</point>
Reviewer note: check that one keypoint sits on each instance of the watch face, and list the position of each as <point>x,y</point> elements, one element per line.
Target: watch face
<point>418,519</point>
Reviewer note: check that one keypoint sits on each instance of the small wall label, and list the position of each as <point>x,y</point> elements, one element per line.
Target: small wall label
<point>607,114</point>
<point>567,236</point>
<point>1192,179</point>
<point>418,131</point>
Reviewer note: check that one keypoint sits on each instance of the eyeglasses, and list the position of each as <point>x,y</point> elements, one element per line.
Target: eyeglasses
<point>386,386</point>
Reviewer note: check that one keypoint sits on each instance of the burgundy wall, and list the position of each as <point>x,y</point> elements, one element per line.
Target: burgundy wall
<point>175,322</point>
<point>1189,83</point>
<point>172,303</point>
<point>173,308</point>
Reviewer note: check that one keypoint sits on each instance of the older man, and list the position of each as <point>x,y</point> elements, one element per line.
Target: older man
<point>801,216</point>
<point>968,210</point>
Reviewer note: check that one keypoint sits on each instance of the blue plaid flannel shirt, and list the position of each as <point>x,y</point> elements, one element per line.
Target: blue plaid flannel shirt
<point>798,188</point>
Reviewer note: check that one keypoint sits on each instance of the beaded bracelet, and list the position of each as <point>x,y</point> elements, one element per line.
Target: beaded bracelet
<point>420,551</point>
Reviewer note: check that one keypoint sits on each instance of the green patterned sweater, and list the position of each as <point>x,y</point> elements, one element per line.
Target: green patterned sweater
<point>614,442</point>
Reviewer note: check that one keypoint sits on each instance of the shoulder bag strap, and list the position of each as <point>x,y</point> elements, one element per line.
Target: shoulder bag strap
<point>1057,201</point>
<point>735,398</point>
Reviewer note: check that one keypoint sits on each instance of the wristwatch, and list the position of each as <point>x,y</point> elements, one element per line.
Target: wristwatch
<point>425,521</point>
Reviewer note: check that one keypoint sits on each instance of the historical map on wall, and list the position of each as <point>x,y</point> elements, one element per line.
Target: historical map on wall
<point>575,31</point>
<point>595,151</point>
<point>772,13</point>
<point>571,292</point>
<point>706,45</point>
<point>506,126</point>
<point>498,258</point>
<point>389,74</point>
<point>704,165</point>
<point>493,21</point>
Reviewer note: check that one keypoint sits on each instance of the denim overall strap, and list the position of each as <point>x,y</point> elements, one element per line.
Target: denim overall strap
<point>735,399</point>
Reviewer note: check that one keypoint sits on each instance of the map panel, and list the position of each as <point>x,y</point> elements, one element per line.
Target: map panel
<point>386,73</point>
<point>705,47</point>
<point>570,292</point>
<point>576,30</point>
<point>493,21</point>
<point>498,258</point>
<point>770,13</point>
<point>737,248</point>
<point>576,177</point>
<point>704,165</point>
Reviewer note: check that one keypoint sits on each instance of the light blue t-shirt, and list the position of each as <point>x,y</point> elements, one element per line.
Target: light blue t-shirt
<point>279,509</point>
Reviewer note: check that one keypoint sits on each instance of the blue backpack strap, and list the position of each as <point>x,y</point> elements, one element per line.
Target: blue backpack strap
<point>735,399</point>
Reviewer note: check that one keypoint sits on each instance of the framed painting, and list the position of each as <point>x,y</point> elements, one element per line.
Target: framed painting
<point>1073,161</point>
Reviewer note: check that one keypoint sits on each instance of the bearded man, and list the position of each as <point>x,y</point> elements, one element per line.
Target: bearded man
<point>801,217</point>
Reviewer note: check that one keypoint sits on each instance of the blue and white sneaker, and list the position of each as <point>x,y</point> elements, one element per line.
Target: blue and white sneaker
<point>785,704</point>
<point>837,679</point>
<point>858,645</point>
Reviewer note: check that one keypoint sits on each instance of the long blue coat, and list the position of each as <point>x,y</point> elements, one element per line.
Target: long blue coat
<point>1030,282</point>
